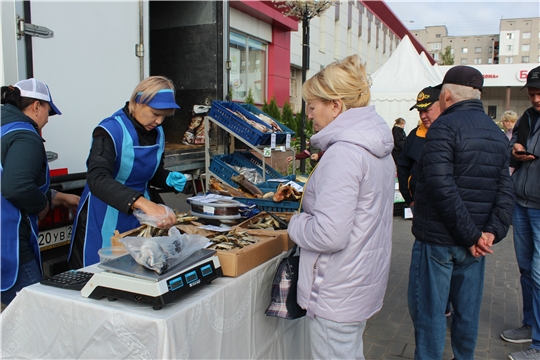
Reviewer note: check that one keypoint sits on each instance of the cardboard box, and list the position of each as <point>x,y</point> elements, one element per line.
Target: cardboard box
<point>287,243</point>
<point>233,262</point>
<point>236,262</point>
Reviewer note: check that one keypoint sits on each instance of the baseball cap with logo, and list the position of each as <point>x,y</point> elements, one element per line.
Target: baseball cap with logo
<point>533,78</point>
<point>35,89</point>
<point>426,98</point>
<point>464,76</point>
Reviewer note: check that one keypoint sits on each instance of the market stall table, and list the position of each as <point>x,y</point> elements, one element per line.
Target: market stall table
<point>224,319</point>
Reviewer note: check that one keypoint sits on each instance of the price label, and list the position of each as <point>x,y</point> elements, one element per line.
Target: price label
<point>273,141</point>
<point>288,141</point>
<point>267,152</point>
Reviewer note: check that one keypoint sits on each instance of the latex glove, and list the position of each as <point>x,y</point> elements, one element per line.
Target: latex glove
<point>176,180</point>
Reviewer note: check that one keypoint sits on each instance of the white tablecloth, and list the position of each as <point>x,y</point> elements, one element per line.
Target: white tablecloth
<point>223,320</point>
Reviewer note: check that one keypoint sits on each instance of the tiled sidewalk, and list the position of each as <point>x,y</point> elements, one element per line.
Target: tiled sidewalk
<point>390,333</point>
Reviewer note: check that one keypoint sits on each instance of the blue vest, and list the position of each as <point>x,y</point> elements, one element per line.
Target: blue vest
<point>11,220</point>
<point>134,166</point>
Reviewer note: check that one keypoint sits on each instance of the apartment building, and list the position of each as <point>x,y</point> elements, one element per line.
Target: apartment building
<point>518,41</point>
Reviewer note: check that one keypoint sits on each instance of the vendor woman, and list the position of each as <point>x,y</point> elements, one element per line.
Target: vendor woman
<point>126,157</point>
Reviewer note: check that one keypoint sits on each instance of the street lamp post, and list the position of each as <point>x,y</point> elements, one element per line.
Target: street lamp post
<point>303,10</point>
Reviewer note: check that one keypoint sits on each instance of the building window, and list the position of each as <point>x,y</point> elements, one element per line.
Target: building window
<point>435,46</point>
<point>349,15</point>
<point>490,49</point>
<point>464,50</point>
<point>477,61</point>
<point>248,67</point>
<point>509,47</point>
<point>463,61</point>
<point>526,35</point>
<point>508,60</point>
<point>538,58</point>
<point>524,59</point>
<point>509,36</point>
<point>490,61</point>
<point>452,51</point>
<point>336,14</point>
<point>525,47</point>
<point>492,111</point>
<point>477,49</point>
<point>435,56</point>
<point>437,35</point>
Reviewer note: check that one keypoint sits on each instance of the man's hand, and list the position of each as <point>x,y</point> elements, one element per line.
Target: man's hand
<point>521,157</point>
<point>483,245</point>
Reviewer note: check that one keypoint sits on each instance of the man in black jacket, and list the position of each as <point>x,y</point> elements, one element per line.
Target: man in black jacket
<point>427,103</point>
<point>463,205</point>
<point>526,219</point>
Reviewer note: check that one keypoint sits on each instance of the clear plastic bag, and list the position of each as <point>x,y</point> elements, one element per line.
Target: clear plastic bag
<point>152,220</point>
<point>163,252</point>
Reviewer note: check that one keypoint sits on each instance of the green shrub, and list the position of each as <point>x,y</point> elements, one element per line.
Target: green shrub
<point>249,97</point>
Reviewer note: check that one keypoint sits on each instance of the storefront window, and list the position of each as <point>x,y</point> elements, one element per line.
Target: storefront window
<point>248,68</point>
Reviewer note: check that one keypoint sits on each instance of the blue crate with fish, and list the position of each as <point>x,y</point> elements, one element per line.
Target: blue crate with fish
<point>226,113</point>
<point>271,186</point>
<point>222,166</point>
<point>270,205</point>
<point>281,137</point>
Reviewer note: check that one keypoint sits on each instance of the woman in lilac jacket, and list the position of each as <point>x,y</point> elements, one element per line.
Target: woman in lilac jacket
<point>345,231</point>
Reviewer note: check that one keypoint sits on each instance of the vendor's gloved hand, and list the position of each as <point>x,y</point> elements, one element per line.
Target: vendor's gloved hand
<point>176,180</point>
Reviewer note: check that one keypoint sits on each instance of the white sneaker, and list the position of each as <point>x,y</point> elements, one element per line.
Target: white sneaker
<point>529,354</point>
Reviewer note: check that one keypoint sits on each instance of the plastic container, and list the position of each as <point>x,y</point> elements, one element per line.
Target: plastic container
<point>272,206</point>
<point>280,137</point>
<point>221,165</point>
<point>220,112</point>
<point>111,252</point>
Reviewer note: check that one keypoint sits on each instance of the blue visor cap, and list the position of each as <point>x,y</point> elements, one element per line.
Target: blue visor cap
<point>164,99</point>
<point>54,110</point>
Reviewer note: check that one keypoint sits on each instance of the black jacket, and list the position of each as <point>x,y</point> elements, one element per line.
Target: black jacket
<point>399,139</point>
<point>24,163</point>
<point>407,164</point>
<point>464,185</point>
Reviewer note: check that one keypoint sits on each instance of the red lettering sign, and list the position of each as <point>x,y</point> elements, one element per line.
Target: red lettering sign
<point>523,74</point>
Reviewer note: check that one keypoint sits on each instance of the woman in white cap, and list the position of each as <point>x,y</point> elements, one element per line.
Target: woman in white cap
<point>26,196</point>
<point>126,157</point>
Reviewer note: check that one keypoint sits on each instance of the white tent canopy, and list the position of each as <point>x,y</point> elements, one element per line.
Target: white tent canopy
<point>397,83</point>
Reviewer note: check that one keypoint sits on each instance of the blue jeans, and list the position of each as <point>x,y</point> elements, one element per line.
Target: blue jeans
<point>439,273</point>
<point>29,273</point>
<point>526,224</point>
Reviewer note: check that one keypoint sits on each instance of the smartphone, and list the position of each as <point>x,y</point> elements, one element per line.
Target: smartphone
<point>525,153</point>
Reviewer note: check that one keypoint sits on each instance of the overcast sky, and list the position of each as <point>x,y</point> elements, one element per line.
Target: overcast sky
<point>462,17</point>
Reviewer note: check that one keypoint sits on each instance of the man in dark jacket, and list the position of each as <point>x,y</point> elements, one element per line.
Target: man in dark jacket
<point>427,103</point>
<point>463,205</point>
<point>526,219</point>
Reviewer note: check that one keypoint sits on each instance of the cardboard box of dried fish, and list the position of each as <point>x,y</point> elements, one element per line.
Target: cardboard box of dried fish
<point>240,250</point>
<point>265,224</point>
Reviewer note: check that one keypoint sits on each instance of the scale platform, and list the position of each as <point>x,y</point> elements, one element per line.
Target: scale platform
<point>124,278</point>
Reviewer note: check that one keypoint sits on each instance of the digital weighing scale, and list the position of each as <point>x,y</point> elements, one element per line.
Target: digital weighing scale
<point>124,278</point>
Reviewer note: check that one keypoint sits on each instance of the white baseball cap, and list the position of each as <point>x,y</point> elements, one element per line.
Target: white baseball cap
<point>35,89</point>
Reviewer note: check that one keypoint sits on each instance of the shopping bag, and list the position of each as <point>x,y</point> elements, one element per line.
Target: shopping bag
<point>283,303</point>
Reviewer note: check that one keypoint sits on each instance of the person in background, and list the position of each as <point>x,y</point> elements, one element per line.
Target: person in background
<point>126,157</point>
<point>508,120</point>
<point>399,135</point>
<point>463,205</point>
<point>526,219</point>
<point>345,231</point>
<point>26,196</point>
<point>427,104</point>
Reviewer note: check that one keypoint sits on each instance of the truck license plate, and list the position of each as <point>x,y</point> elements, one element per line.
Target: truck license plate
<point>55,237</point>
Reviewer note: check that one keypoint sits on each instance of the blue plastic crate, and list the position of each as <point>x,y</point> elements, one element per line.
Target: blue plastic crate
<point>221,165</point>
<point>270,205</point>
<point>269,186</point>
<point>220,112</point>
<point>281,137</point>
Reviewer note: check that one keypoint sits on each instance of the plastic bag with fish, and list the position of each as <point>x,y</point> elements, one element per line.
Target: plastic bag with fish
<point>164,252</point>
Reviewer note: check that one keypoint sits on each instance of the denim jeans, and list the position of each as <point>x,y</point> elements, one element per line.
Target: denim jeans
<point>526,224</point>
<point>439,273</point>
<point>29,273</point>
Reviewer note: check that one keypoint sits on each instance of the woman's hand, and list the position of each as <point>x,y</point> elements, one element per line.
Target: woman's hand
<point>314,157</point>
<point>155,210</point>
<point>67,200</point>
<point>288,159</point>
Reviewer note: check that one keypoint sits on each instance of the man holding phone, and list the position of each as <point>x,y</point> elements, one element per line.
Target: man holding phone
<point>526,219</point>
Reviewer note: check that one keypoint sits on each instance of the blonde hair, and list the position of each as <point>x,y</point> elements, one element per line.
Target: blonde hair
<point>399,121</point>
<point>509,116</point>
<point>345,80</point>
<point>149,87</point>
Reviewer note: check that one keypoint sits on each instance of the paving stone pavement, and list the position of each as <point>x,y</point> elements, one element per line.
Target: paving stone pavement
<point>390,333</point>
